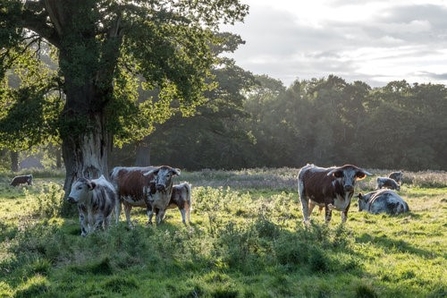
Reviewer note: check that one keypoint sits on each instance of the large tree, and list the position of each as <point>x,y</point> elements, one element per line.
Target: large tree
<point>107,50</point>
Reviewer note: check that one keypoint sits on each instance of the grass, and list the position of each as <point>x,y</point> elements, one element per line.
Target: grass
<point>246,240</point>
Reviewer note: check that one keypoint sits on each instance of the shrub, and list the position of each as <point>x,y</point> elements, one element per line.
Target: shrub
<point>48,202</point>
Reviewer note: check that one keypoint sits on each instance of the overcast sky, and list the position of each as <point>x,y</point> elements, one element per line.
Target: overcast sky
<point>371,41</point>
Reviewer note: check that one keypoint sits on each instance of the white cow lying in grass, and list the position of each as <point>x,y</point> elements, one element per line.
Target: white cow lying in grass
<point>382,201</point>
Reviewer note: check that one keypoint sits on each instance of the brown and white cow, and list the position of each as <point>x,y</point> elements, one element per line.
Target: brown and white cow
<point>149,187</point>
<point>181,199</point>
<point>96,200</point>
<point>331,188</point>
<point>382,201</point>
<point>22,179</point>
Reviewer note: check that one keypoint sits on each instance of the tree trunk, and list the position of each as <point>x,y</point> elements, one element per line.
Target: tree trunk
<point>86,155</point>
<point>143,153</point>
<point>58,158</point>
<point>14,161</point>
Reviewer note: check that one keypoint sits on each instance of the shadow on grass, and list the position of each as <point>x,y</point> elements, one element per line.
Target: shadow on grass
<point>51,258</point>
<point>394,245</point>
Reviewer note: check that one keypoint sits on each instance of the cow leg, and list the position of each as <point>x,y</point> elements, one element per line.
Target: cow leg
<point>127,208</point>
<point>84,224</point>
<point>188,212</point>
<point>328,214</point>
<point>99,221</point>
<point>183,213</point>
<point>344,214</point>
<point>160,215</point>
<point>106,221</point>
<point>117,211</point>
<point>305,202</point>
<point>150,214</point>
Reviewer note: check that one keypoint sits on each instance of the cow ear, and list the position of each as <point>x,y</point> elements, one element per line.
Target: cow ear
<point>91,185</point>
<point>176,171</point>
<point>361,175</point>
<point>337,174</point>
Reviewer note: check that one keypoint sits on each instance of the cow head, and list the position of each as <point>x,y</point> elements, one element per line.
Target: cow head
<point>362,201</point>
<point>80,190</point>
<point>347,175</point>
<point>162,177</point>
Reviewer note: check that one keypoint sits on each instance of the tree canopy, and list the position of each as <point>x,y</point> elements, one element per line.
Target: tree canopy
<point>326,121</point>
<point>106,51</point>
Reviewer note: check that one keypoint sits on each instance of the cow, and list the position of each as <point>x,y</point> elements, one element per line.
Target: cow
<point>329,188</point>
<point>385,182</point>
<point>181,199</point>
<point>96,200</point>
<point>382,201</point>
<point>149,187</point>
<point>22,179</point>
<point>397,176</point>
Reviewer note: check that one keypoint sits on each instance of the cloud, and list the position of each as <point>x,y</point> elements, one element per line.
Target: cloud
<point>371,41</point>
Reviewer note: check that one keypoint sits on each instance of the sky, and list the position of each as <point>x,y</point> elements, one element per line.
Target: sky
<point>375,42</point>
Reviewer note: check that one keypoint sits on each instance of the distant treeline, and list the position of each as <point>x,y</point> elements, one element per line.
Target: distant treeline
<point>323,121</point>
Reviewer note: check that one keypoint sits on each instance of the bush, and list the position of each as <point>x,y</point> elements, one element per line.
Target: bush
<point>48,202</point>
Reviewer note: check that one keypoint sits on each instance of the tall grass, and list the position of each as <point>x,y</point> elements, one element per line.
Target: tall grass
<point>247,240</point>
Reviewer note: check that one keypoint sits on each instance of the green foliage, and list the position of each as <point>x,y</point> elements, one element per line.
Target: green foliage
<point>49,202</point>
<point>329,121</point>
<point>30,108</point>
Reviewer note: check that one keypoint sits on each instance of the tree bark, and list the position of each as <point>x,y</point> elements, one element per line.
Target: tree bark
<point>14,161</point>
<point>143,153</point>
<point>86,155</point>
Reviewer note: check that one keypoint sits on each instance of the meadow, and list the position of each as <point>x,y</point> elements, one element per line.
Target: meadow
<point>246,239</point>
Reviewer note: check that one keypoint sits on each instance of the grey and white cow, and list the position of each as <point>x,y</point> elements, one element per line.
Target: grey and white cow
<point>329,188</point>
<point>181,199</point>
<point>96,200</point>
<point>385,182</point>
<point>382,201</point>
<point>397,176</point>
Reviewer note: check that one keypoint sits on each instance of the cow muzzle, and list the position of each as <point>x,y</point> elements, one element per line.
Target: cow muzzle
<point>160,187</point>
<point>349,188</point>
<point>71,200</point>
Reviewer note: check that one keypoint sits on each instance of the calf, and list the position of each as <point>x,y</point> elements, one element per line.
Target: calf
<point>96,200</point>
<point>382,201</point>
<point>331,188</point>
<point>397,176</point>
<point>181,199</point>
<point>149,187</point>
<point>385,182</point>
<point>28,179</point>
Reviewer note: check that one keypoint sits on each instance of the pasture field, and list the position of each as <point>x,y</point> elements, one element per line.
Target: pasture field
<point>246,240</point>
